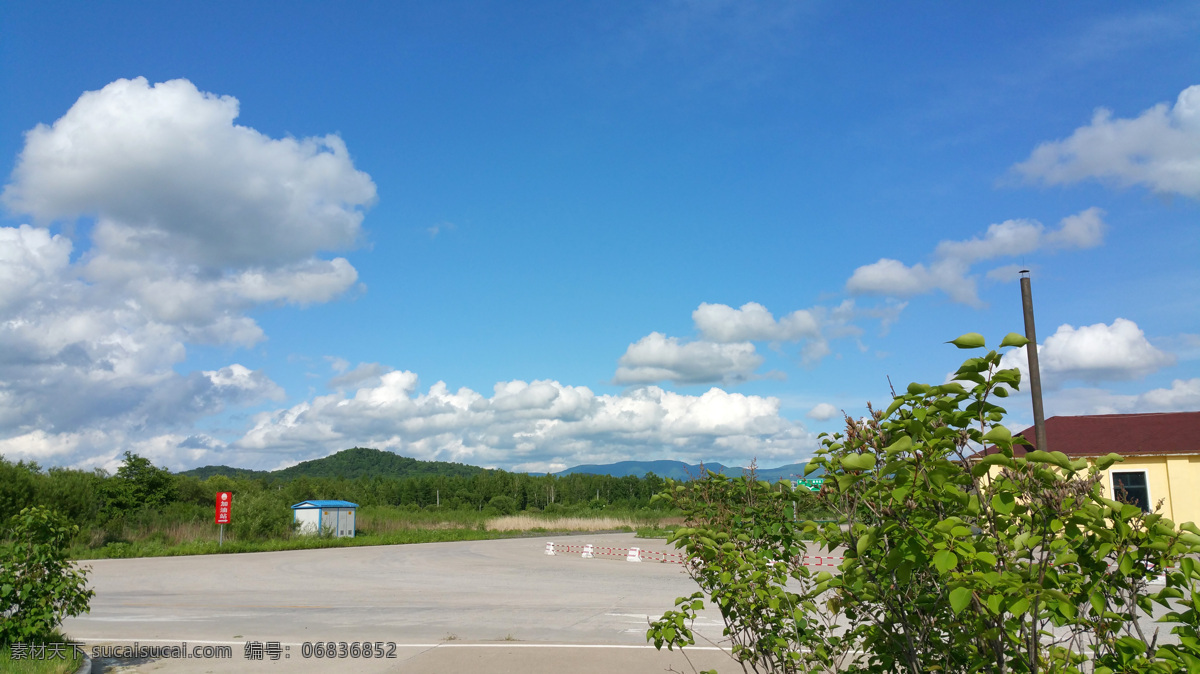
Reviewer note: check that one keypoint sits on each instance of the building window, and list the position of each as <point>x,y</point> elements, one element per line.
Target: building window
<point>1131,487</point>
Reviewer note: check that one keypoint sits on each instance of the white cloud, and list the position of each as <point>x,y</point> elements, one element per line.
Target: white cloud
<point>657,357</point>
<point>196,221</point>
<point>814,326</point>
<point>1182,396</point>
<point>358,376</point>
<point>168,163</point>
<point>1092,353</point>
<point>752,322</point>
<point>725,352</point>
<point>950,270</point>
<point>823,412</point>
<point>1005,273</point>
<point>439,228</point>
<point>537,425</point>
<point>1159,149</point>
<point>30,262</point>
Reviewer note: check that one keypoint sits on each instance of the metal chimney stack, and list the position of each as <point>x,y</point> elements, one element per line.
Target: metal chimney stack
<point>1035,375</point>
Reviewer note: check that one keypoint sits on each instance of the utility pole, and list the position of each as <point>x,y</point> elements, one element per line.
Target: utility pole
<point>1035,375</point>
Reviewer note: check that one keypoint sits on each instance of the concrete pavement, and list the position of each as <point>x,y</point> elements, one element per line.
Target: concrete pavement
<point>447,606</point>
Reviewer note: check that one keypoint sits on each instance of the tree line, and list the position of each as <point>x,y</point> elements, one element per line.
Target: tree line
<point>139,489</point>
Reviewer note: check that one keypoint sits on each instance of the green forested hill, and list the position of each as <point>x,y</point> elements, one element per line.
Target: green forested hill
<point>351,464</point>
<point>208,471</point>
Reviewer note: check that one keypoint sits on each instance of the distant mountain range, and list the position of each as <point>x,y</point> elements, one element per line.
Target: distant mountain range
<point>678,470</point>
<point>360,461</point>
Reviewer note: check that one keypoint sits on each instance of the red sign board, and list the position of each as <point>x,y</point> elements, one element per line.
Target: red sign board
<point>224,501</point>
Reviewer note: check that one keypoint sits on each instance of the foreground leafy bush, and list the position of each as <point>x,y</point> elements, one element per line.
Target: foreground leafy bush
<point>954,562</point>
<point>38,584</point>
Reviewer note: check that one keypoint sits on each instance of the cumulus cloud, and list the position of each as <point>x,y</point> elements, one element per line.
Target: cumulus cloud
<point>1182,396</point>
<point>950,269</point>
<point>823,412</point>
<point>656,358</point>
<point>1092,353</point>
<point>1159,149</point>
<point>752,322</point>
<point>194,220</point>
<point>364,372</point>
<point>725,352</point>
<point>540,425</point>
<point>168,163</point>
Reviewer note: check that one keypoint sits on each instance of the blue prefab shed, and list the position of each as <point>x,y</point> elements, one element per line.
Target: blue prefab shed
<point>334,517</point>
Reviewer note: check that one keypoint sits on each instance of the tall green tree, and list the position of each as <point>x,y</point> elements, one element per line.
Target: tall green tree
<point>138,484</point>
<point>18,486</point>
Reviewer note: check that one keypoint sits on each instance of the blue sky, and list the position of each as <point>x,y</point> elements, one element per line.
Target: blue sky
<point>532,235</point>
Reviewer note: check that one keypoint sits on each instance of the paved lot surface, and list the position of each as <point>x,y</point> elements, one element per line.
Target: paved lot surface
<point>471,606</point>
<point>486,606</point>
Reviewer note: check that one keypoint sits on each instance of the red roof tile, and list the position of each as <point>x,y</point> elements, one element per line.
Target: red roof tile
<point>1125,434</point>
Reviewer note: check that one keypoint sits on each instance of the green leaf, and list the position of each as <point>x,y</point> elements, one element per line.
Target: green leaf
<point>858,461</point>
<point>959,598</point>
<point>865,542</point>
<point>945,560</point>
<point>972,365</point>
<point>1054,458</point>
<point>1107,460</point>
<point>1013,339</point>
<point>998,434</point>
<point>902,444</point>
<point>994,602</point>
<point>971,340</point>
<point>1004,503</point>
<point>983,465</point>
<point>896,403</point>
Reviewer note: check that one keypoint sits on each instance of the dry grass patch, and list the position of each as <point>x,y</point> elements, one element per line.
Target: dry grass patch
<point>531,522</point>
<point>386,526</point>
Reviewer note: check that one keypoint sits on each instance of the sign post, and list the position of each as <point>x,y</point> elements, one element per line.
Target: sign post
<point>224,501</point>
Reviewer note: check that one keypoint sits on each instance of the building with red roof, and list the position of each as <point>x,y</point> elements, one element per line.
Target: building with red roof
<point>1162,456</point>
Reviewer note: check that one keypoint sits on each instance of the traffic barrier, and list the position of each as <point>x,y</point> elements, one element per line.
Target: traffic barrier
<point>589,551</point>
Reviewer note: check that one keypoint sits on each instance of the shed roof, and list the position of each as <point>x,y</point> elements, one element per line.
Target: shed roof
<point>1126,434</point>
<point>325,504</point>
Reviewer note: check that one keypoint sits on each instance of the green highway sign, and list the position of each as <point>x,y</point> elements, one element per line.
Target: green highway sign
<point>813,483</point>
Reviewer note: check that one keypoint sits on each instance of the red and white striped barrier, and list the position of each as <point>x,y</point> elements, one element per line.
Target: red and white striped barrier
<point>590,551</point>
<point>820,561</point>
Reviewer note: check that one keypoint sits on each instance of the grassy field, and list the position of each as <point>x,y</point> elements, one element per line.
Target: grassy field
<point>49,662</point>
<point>376,525</point>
